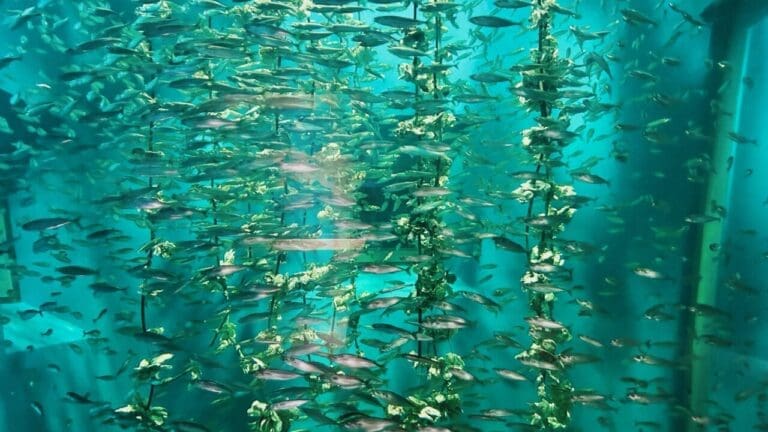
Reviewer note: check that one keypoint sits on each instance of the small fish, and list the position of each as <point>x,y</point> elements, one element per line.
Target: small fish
<point>510,375</point>
<point>381,303</point>
<point>306,366</point>
<point>657,123</point>
<point>643,75</point>
<point>222,270</point>
<point>103,287</point>
<point>276,375</point>
<point>100,315</point>
<point>380,269</point>
<point>288,404</point>
<point>589,178</point>
<point>544,222</point>
<point>75,270</point>
<point>49,223</point>
<point>346,381</point>
<point>649,273</point>
<point>5,61</point>
<point>365,423</point>
<point>701,218</point>
<point>492,21</point>
<point>406,52</point>
<point>187,426</point>
<point>556,8</point>
<point>102,234</point>
<point>353,361</point>
<point>539,364</point>
<point>37,407</point>
<point>79,398</point>
<point>741,139</point>
<point>508,245</point>
<point>633,16</point>
<point>583,35</point>
<point>602,63</point>
<point>480,299</point>
<point>397,21</point>
<point>212,387</point>
<point>461,374</point>
<point>544,323</point>
<point>591,341</point>
<point>28,314</point>
<point>512,4</point>
<point>48,306</point>
<point>389,328</point>
<point>543,288</point>
<point>443,322</point>
<point>686,16</point>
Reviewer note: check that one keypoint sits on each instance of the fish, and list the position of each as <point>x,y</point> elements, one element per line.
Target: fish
<point>633,16</point>
<point>741,139</point>
<point>100,315</point>
<point>480,299</point>
<point>7,60</point>
<point>380,269</point>
<point>649,273</point>
<point>212,386</point>
<point>701,218</point>
<point>361,422</point>
<point>382,303</point>
<point>443,322</point>
<point>353,361</point>
<point>595,58</point>
<point>37,407</point>
<point>397,21</point>
<point>543,288</point>
<point>345,381</point>
<point>582,35</point>
<point>589,178</point>
<point>544,323</point>
<point>510,374</point>
<point>188,426</point>
<point>512,4</point>
<point>79,398</point>
<point>504,243</point>
<point>28,314</point>
<point>102,234</point>
<point>52,223</point>
<point>105,288</point>
<point>289,404</point>
<point>686,16</point>
<point>492,21</point>
<point>75,270</point>
<point>544,222</point>
<point>406,51</point>
<point>276,375</point>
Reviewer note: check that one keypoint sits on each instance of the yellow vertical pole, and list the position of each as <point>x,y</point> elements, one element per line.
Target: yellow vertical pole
<point>726,120</point>
<point>8,288</point>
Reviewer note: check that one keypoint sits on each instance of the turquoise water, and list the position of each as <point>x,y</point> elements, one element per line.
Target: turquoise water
<point>287,216</point>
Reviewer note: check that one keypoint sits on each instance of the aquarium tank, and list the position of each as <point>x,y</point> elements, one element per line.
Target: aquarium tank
<point>383,215</point>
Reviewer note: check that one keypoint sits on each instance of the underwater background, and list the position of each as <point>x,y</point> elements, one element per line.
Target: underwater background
<point>383,215</point>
